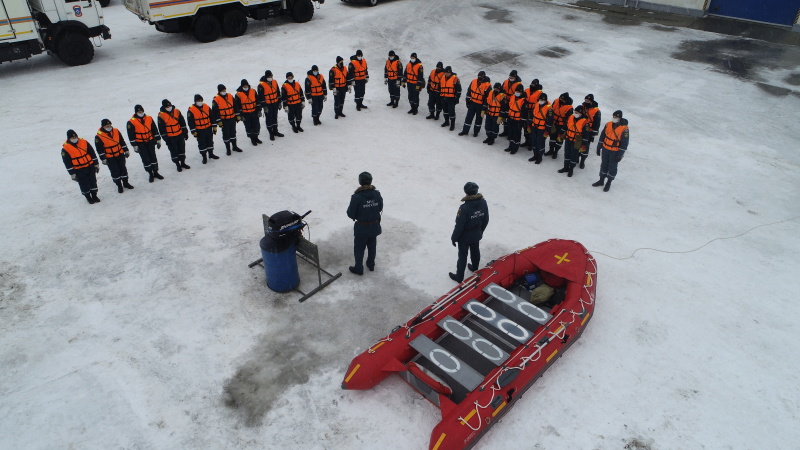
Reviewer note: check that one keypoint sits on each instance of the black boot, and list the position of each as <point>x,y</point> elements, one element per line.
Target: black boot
<point>271,135</point>
<point>95,197</point>
<point>391,103</point>
<point>253,140</point>
<point>126,184</point>
<point>569,172</point>
<point>152,177</point>
<point>564,169</point>
<point>583,159</point>
<point>205,158</point>
<point>299,128</point>
<point>538,159</point>
<point>212,155</point>
<point>336,115</point>
<point>532,158</point>
<point>356,271</point>
<point>608,185</point>
<point>341,114</point>
<point>455,278</point>
<point>258,141</point>
<point>278,133</point>
<point>486,141</point>
<point>183,163</point>
<point>157,175</point>
<point>472,267</point>
<point>228,148</point>
<point>507,149</point>
<point>178,165</point>
<point>514,149</point>
<point>452,124</point>
<point>490,142</point>
<point>436,116</point>
<point>475,133</point>
<point>396,103</point>
<point>294,128</point>
<point>599,182</point>
<point>358,106</point>
<point>363,106</point>
<point>555,153</point>
<point>89,199</point>
<point>446,122</point>
<point>551,150</point>
<point>119,186</point>
<point>464,132</point>
<point>430,115</point>
<point>235,147</point>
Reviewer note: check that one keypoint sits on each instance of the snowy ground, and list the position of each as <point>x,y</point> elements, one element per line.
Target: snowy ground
<point>136,323</point>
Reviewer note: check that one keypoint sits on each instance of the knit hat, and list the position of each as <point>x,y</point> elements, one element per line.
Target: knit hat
<point>138,108</point>
<point>448,69</point>
<point>165,103</point>
<point>535,81</point>
<point>618,113</point>
<point>244,83</point>
<point>579,109</point>
<point>498,86</point>
<point>481,73</point>
<point>314,67</point>
<point>513,74</point>
<point>220,87</point>
<point>198,98</point>
<point>339,59</point>
<point>359,53</point>
<point>470,188</point>
<point>543,96</point>
<point>519,88</point>
<point>589,97</point>
<point>71,133</point>
<point>439,64</point>
<point>365,178</point>
<point>289,74</point>
<point>105,122</point>
<point>268,74</point>
<point>391,53</point>
<point>413,55</point>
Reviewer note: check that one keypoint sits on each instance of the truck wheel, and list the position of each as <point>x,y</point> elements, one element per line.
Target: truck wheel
<point>75,49</point>
<point>104,3</point>
<point>234,22</point>
<point>206,28</point>
<point>302,11</point>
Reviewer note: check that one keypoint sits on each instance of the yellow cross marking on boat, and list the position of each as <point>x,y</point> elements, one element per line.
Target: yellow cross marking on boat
<point>562,258</point>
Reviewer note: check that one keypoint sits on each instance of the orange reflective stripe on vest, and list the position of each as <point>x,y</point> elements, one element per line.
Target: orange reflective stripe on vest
<point>270,91</point>
<point>515,107</point>
<point>339,76</point>
<point>359,69</point>
<point>575,128</point>
<point>392,69</point>
<point>202,117</point>
<point>495,103</point>
<point>111,142</point>
<point>316,84</point>
<point>412,73</point>
<point>447,86</point>
<point>79,153</point>
<point>435,80</point>
<point>612,136</point>
<point>225,106</point>
<point>292,93</point>
<point>477,92</point>
<point>143,128</point>
<point>171,122</point>
<point>540,115</point>
<point>247,100</point>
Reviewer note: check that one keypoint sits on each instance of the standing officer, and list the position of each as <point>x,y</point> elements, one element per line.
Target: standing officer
<point>449,96</point>
<point>200,125</point>
<point>224,115</point>
<point>337,78</point>
<point>269,98</point>
<point>113,153</point>
<point>316,92</point>
<point>517,111</point>
<point>392,76</point>
<point>476,97</point>
<point>541,122</point>
<point>81,163</point>
<point>613,142</point>
<point>434,103</point>
<point>292,98</point>
<point>145,139</point>
<point>246,105</point>
<point>415,80</point>
<point>593,116</point>
<point>509,87</point>
<point>366,206</point>
<point>172,127</point>
<point>471,221</point>
<point>495,107</point>
<point>576,139</point>
<point>562,108</point>
<point>531,95</point>
<point>359,77</point>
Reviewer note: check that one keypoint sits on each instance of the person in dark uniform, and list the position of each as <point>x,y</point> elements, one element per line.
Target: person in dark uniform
<point>613,143</point>
<point>471,221</point>
<point>316,92</point>
<point>201,127</point>
<point>337,79</point>
<point>541,123</point>
<point>593,115</point>
<point>144,137</point>
<point>415,79</point>
<point>531,95</point>
<point>392,76</point>
<point>449,96</point>
<point>509,87</point>
<point>359,77</point>
<point>562,109</point>
<point>434,99</point>
<point>292,98</point>
<point>269,97</point>
<point>476,98</point>
<point>223,113</point>
<point>366,205</point>
<point>517,112</point>
<point>113,153</point>
<point>246,106</point>
<point>81,163</point>
<point>495,108</point>
<point>172,127</point>
<point>576,139</point>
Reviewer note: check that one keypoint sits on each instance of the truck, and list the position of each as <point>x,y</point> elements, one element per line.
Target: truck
<point>64,28</point>
<point>207,19</point>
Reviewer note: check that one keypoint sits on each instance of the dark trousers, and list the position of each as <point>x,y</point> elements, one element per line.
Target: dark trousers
<point>492,127</point>
<point>473,111</point>
<point>359,86</point>
<point>434,102</point>
<point>537,141</point>
<point>554,144</point>
<point>413,96</point>
<point>177,148</point>
<point>295,114</point>
<point>449,108</point>
<point>338,99</point>
<point>271,117</point>
<point>608,164</point>
<point>147,151</point>
<point>570,154</point>
<point>316,105</point>
<point>205,139</point>
<point>87,180</point>
<point>514,134</point>
<point>359,244</point>
<point>474,253</point>
<point>117,167</point>
<point>228,130</point>
<point>394,90</point>
<point>251,124</point>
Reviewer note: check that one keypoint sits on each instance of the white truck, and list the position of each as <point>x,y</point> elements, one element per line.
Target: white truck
<point>207,18</point>
<point>64,28</point>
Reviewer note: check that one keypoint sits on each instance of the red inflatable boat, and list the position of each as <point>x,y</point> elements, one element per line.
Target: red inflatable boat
<point>477,349</point>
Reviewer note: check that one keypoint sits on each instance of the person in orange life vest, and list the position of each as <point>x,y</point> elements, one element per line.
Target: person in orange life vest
<point>223,113</point>
<point>202,128</point>
<point>172,127</point>
<point>449,96</point>
<point>562,108</point>
<point>316,92</point>
<point>531,95</point>
<point>292,98</point>
<point>113,152</point>
<point>434,99</point>
<point>415,80</point>
<point>392,76</point>
<point>576,139</point>
<point>495,108</point>
<point>359,77</point>
<point>269,99</point>
<point>144,137</point>
<point>541,122</point>
<point>593,116</point>
<point>613,143</point>
<point>81,163</point>
<point>476,97</point>
<point>509,87</point>
<point>337,80</point>
<point>517,112</point>
<point>245,102</point>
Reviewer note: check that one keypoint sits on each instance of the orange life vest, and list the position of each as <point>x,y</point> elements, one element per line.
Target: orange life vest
<point>143,128</point>
<point>495,103</point>
<point>202,116</point>
<point>560,112</point>
<point>515,107</point>
<point>412,72</point>
<point>434,80</point>
<point>111,142</point>
<point>292,93</point>
<point>339,76</point>
<point>613,136</point>
<point>270,91</point>
<point>359,68</point>
<point>392,69</point>
<point>247,100</point>
<point>540,115</point>
<point>509,88</point>
<point>590,113</point>
<point>477,92</point>
<point>575,128</point>
<point>225,106</point>
<point>171,122</point>
<point>79,152</point>
<point>532,97</point>
<point>447,86</point>
<point>317,81</point>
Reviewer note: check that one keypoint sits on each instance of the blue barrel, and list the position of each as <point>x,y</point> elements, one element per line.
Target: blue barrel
<point>280,261</point>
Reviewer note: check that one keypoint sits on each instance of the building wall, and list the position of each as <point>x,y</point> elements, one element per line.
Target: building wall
<point>695,8</point>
